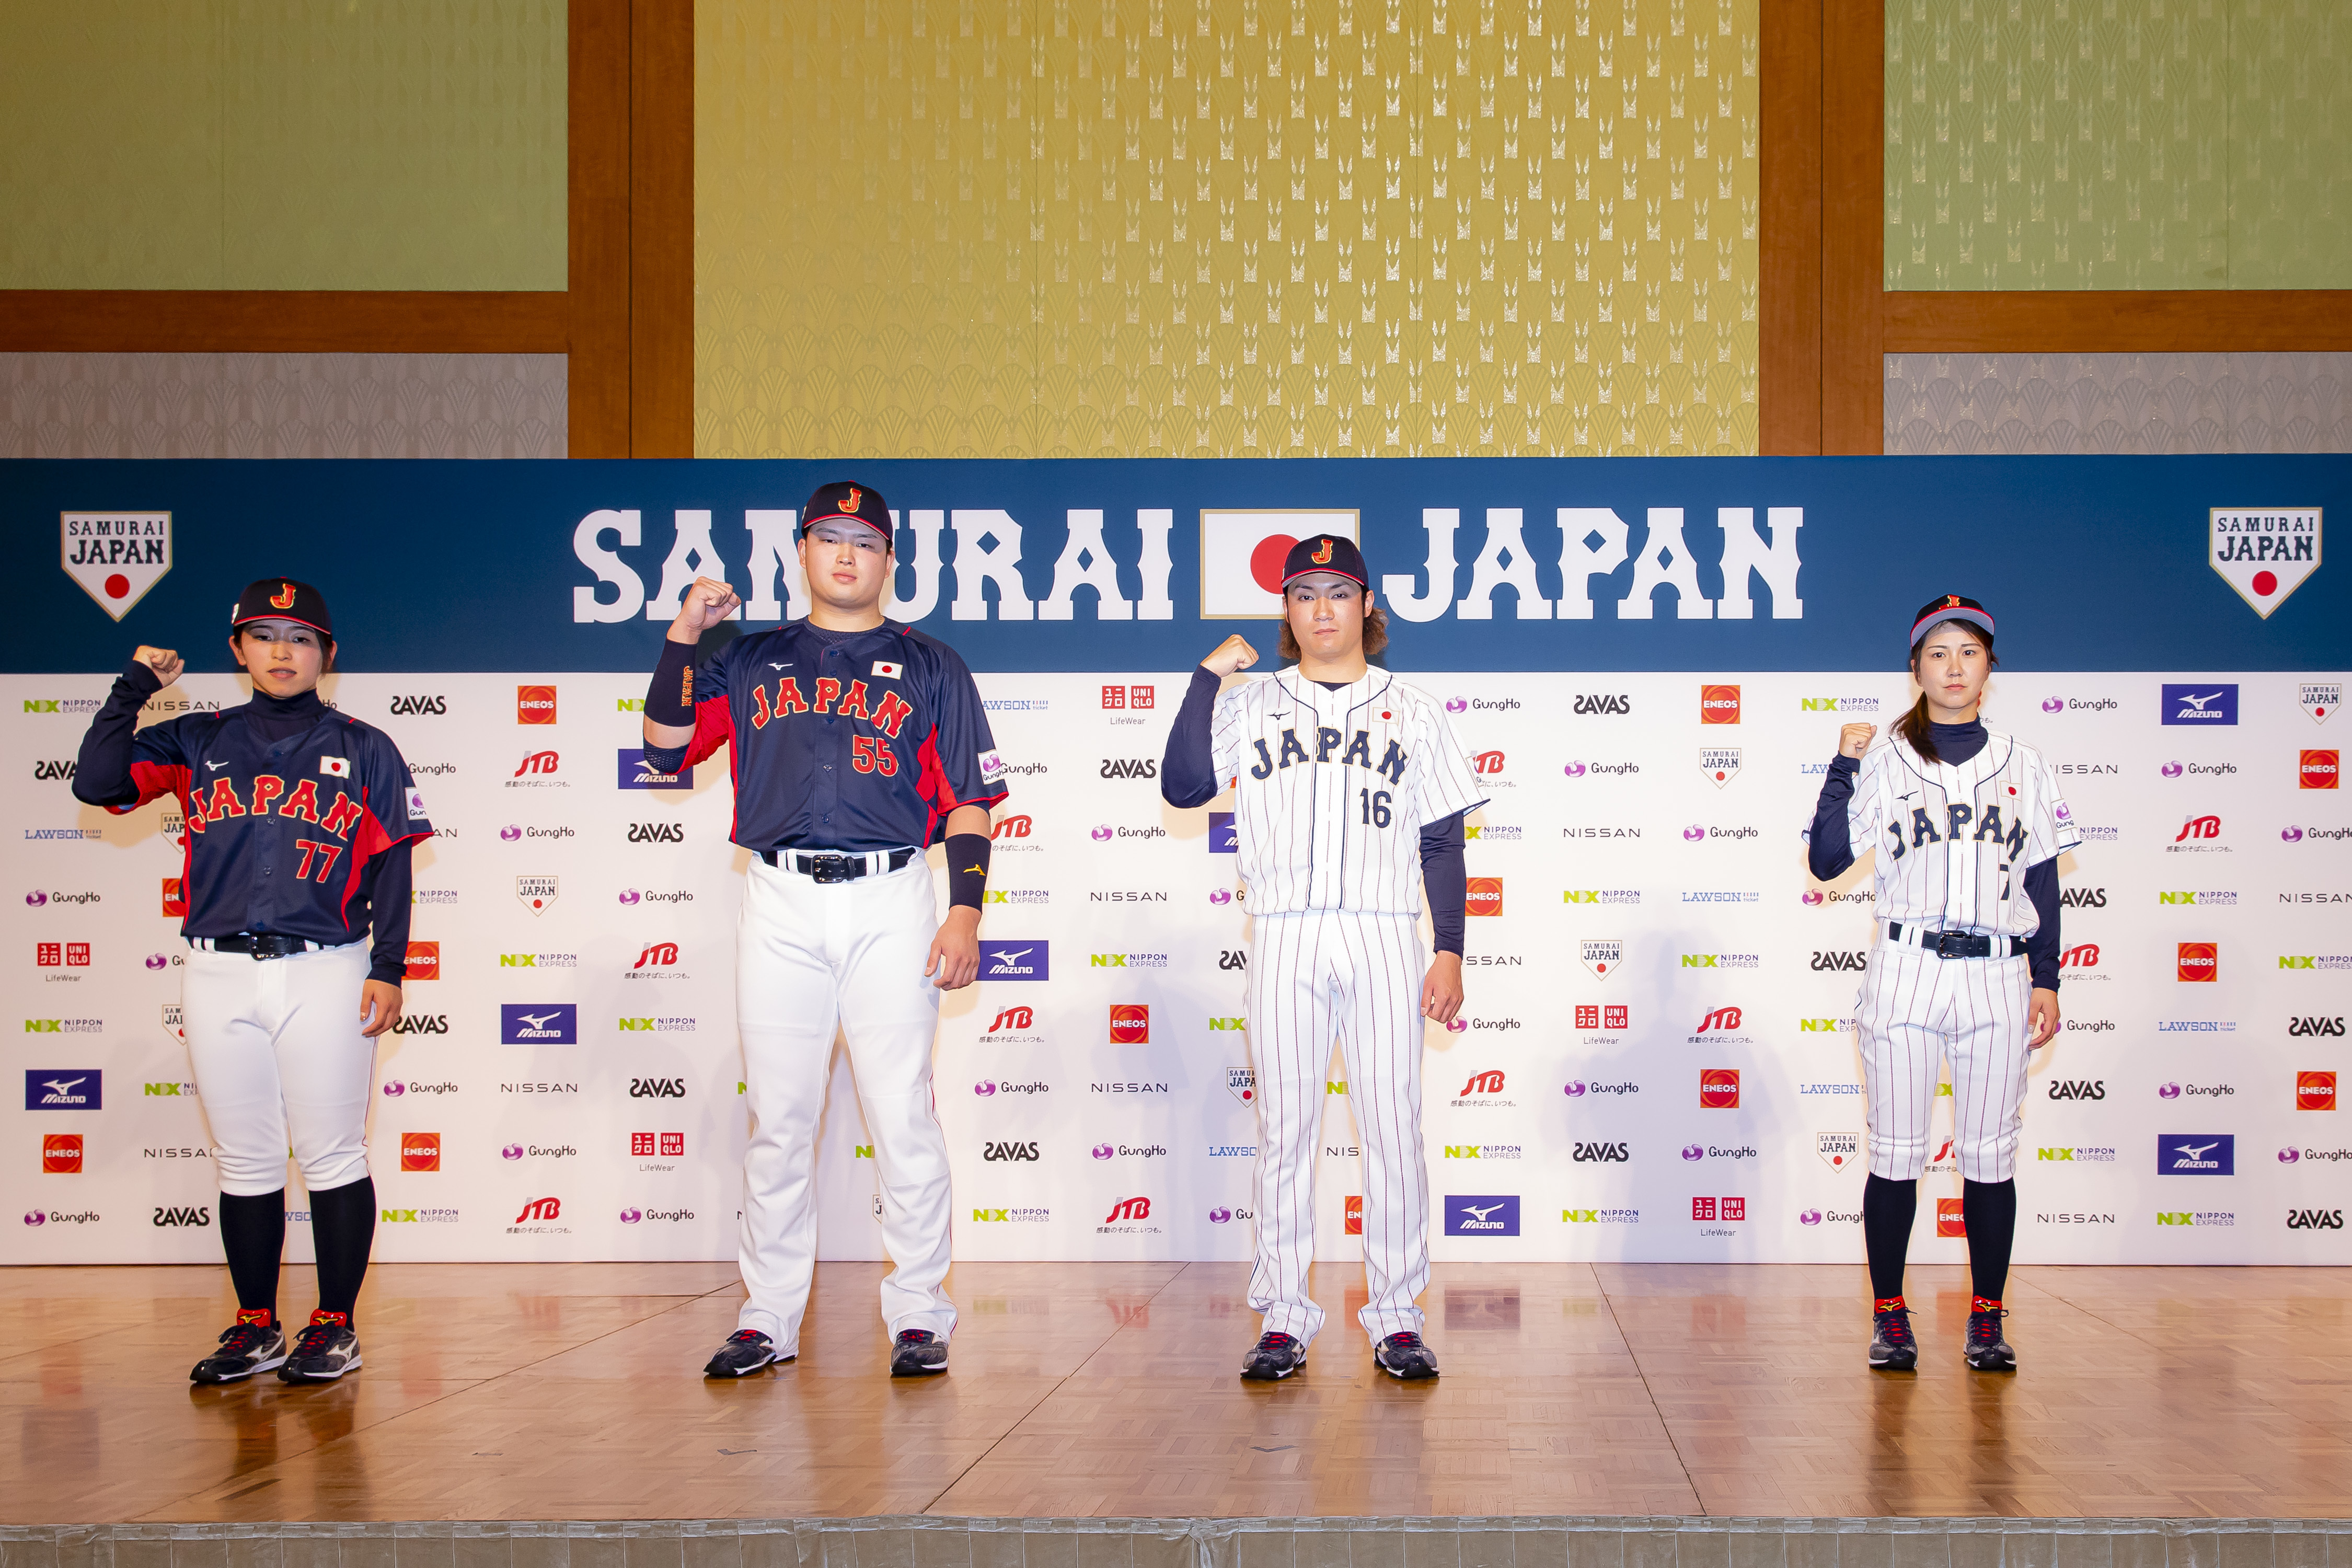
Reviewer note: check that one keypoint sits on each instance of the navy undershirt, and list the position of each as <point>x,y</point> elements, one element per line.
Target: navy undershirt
<point>1830,851</point>
<point>1188,777</point>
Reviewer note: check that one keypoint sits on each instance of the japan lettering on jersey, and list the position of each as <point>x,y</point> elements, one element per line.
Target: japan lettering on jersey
<point>862,743</point>
<point>1954,843</point>
<point>1332,790</point>
<point>279,836</point>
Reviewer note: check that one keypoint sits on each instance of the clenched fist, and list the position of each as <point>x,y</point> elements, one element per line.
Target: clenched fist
<point>705,606</point>
<point>1854,739</point>
<point>163,661</point>
<point>1233,653</point>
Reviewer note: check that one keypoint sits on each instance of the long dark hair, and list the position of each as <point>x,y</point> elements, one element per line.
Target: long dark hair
<point>1913,726</point>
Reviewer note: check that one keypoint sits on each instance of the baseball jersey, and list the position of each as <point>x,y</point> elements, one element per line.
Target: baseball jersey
<point>1954,841</point>
<point>859,743</point>
<point>1332,789</point>
<point>280,834</point>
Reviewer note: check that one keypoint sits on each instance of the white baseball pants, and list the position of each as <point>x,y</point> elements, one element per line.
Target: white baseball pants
<point>1357,977</point>
<point>280,1062</point>
<point>1915,1009</point>
<point>810,956</point>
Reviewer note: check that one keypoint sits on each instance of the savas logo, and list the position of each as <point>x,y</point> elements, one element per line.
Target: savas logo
<point>2309,1024</point>
<point>53,771</point>
<point>2083,899</point>
<point>1718,705</point>
<point>422,1023</point>
<point>2315,1219</point>
<point>1619,703</point>
<point>419,705</point>
<point>657,1089</point>
<point>1131,768</point>
<point>1840,959</point>
<point>1586,1154</point>
<point>200,1215</point>
<point>2198,961</point>
<point>657,832</point>
<point>1003,1151</point>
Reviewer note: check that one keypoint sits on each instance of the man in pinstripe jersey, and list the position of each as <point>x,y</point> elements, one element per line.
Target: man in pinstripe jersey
<point>1349,791</point>
<point>1968,824</point>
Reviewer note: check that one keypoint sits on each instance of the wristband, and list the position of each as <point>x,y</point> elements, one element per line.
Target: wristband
<point>967,869</point>
<point>669,698</point>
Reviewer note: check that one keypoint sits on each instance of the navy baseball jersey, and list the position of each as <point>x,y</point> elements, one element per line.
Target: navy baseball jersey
<point>853,741</point>
<point>280,834</point>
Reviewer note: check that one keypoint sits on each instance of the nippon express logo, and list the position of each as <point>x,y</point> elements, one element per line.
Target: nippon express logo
<point>2207,704</point>
<point>2079,1156</point>
<point>2196,1154</point>
<point>538,1024</point>
<point>1481,1213</point>
<point>1014,961</point>
<point>1722,960</point>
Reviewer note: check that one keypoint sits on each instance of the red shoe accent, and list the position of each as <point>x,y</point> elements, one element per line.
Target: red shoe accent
<point>338,1319</point>
<point>1984,1304</point>
<point>260,1317</point>
<point>1887,1304</point>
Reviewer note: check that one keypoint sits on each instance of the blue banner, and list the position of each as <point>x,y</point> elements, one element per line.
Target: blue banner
<point>1696,564</point>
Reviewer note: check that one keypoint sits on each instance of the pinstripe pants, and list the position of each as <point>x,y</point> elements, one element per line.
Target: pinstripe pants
<point>1916,1008</point>
<point>1355,977</point>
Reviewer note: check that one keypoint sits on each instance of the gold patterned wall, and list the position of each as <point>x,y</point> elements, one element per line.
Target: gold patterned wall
<point>1238,228</point>
<point>2119,145</point>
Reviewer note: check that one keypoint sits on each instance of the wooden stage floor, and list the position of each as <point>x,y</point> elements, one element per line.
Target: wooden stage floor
<point>571,1391</point>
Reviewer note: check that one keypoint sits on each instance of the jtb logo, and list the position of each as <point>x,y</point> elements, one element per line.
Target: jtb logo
<point>1010,827</point>
<point>543,762</point>
<point>1488,1082</point>
<point>2086,956</point>
<point>2198,828</point>
<point>1721,1019</point>
<point>1128,1209</point>
<point>1014,1018</point>
<point>656,955</point>
<point>540,1209</point>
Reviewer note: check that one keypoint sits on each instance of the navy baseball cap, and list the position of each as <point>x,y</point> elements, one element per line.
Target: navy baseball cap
<point>854,503</point>
<point>283,599</point>
<point>1950,607</point>
<point>1325,552</point>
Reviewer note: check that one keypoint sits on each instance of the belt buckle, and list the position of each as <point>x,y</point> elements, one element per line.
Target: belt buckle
<point>834,868</point>
<point>1950,944</point>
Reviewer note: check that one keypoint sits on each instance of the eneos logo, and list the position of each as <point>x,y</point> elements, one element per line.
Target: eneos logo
<point>1130,1024</point>
<point>2314,1091</point>
<point>61,1153</point>
<point>423,961</point>
<point>1718,705</point>
<point>1949,1219</point>
<point>534,705</point>
<point>1718,1088</point>
<point>1485,895</point>
<point>2199,961</point>
<point>2319,769</point>
<point>420,1151</point>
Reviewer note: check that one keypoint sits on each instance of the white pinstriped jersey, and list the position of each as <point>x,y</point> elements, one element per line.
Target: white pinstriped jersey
<point>1954,842</point>
<point>1334,787</point>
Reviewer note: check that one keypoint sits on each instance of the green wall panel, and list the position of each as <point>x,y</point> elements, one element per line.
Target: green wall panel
<point>282,145</point>
<point>2117,143</point>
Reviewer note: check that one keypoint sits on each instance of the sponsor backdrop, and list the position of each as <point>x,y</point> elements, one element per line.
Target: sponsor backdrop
<point>1655,1060</point>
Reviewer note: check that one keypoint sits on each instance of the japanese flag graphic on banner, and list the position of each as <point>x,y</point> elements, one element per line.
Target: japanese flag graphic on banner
<point>1242,555</point>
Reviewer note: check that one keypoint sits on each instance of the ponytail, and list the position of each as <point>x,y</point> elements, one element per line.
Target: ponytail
<point>1913,727</point>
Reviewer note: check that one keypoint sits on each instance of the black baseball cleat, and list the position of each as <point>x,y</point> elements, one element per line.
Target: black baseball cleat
<point>745,1353</point>
<point>245,1350</point>
<point>1892,1347</point>
<point>1988,1352</point>
<point>1406,1355</point>
<point>1274,1358</point>
<point>323,1351</point>
<point>917,1353</point>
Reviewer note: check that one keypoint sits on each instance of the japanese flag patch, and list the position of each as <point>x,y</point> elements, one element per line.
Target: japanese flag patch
<point>888,670</point>
<point>335,767</point>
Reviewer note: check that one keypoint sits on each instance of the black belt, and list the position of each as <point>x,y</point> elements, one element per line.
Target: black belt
<point>833,866</point>
<point>262,944</point>
<point>1956,943</point>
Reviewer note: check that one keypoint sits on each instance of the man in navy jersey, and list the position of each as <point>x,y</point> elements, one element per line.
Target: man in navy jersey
<point>301,824</point>
<point>855,743</point>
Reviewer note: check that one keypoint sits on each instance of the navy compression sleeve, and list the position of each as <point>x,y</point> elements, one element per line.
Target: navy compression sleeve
<point>390,898</point>
<point>2041,947</point>
<point>1444,882</point>
<point>103,771</point>
<point>1830,850</point>
<point>1187,773</point>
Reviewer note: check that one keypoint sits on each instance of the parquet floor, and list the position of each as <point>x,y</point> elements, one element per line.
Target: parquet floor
<point>570,1391</point>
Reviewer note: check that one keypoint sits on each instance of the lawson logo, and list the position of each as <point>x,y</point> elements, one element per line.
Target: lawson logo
<point>538,1024</point>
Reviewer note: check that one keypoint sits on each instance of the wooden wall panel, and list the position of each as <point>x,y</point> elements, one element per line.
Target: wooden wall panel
<point>661,229</point>
<point>599,221</point>
<point>1789,390</point>
<point>179,320</point>
<point>2171,321</point>
<point>1854,50</point>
